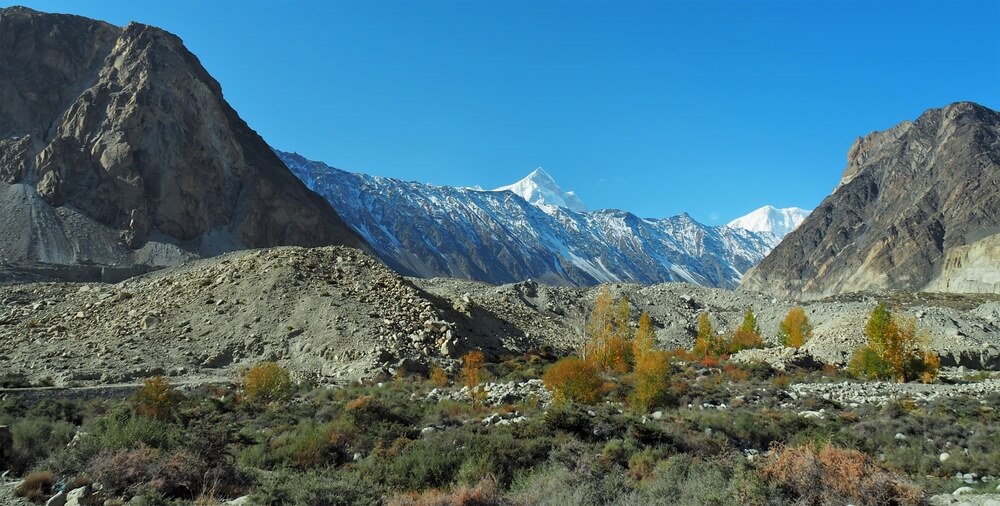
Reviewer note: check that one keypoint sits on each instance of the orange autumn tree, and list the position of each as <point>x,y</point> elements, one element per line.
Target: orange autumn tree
<point>574,379</point>
<point>472,371</point>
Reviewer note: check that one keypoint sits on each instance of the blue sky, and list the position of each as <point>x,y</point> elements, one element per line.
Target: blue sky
<point>709,107</point>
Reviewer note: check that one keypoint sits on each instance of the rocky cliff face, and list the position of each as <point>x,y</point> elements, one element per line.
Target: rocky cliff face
<point>116,146</point>
<point>910,198</point>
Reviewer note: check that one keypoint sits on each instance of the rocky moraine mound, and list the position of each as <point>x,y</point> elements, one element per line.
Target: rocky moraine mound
<point>335,314</point>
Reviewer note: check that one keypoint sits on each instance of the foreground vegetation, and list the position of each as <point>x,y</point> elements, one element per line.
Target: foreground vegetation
<point>621,422</point>
<point>722,435</point>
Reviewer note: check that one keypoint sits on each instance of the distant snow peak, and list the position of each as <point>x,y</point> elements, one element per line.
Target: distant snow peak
<point>539,189</point>
<point>779,222</point>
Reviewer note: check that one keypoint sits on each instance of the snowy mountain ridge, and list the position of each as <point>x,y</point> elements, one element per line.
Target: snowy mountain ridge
<point>500,237</point>
<point>773,220</point>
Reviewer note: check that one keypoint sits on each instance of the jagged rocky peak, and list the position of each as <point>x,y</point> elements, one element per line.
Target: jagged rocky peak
<point>117,146</point>
<point>772,220</point>
<point>916,210</point>
<point>540,189</point>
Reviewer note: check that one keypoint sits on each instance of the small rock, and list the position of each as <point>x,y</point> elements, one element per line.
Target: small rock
<point>57,500</point>
<point>944,456</point>
<point>148,321</point>
<point>657,415</point>
<point>899,436</point>
<point>963,491</point>
<point>78,496</point>
<point>427,430</point>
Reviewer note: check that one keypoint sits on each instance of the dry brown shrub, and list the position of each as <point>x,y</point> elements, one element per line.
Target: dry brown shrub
<point>438,377</point>
<point>485,493</point>
<point>736,374</point>
<point>36,486</point>
<point>837,476</point>
<point>122,470</point>
<point>360,403</point>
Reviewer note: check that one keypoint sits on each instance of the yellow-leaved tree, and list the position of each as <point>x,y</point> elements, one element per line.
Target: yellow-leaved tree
<point>645,337</point>
<point>610,338</point>
<point>795,328</point>
<point>895,349</point>
<point>747,336</point>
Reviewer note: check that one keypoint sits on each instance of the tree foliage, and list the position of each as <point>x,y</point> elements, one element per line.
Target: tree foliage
<point>895,349</point>
<point>706,342</point>
<point>651,380</point>
<point>472,371</point>
<point>610,343</point>
<point>574,379</point>
<point>157,398</point>
<point>645,337</point>
<point>795,329</point>
<point>749,324</point>
<point>267,382</point>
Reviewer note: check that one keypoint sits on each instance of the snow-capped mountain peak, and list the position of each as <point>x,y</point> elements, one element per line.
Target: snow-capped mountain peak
<point>540,189</point>
<point>771,219</point>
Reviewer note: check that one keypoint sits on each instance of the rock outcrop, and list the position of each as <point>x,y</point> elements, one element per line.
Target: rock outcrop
<point>917,208</point>
<point>117,147</point>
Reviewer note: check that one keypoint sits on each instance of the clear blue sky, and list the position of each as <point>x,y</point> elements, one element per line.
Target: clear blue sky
<point>709,107</point>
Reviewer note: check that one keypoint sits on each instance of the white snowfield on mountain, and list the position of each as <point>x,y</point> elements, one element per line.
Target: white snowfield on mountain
<point>540,189</point>
<point>779,222</point>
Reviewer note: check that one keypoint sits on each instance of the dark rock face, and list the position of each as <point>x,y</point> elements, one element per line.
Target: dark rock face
<point>908,197</point>
<point>123,130</point>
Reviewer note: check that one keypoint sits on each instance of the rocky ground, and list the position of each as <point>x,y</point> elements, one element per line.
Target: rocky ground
<point>335,314</point>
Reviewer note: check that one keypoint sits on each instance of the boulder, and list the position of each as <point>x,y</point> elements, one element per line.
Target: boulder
<point>780,359</point>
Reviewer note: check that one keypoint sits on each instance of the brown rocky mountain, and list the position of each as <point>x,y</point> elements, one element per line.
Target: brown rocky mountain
<point>117,147</point>
<point>917,208</point>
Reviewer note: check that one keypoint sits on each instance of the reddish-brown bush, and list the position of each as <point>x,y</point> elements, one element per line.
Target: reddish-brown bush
<point>485,493</point>
<point>837,476</point>
<point>178,475</point>
<point>121,471</point>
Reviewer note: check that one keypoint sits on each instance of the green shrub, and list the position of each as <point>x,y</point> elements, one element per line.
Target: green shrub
<point>866,363</point>
<point>35,439</point>
<point>306,446</point>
